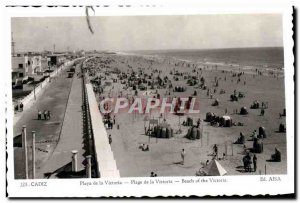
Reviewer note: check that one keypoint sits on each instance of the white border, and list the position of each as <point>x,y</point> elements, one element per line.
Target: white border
<point>235,185</point>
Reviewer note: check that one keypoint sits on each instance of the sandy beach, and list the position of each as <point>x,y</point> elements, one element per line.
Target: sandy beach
<point>163,158</point>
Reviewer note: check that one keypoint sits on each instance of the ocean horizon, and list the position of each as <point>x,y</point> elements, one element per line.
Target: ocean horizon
<point>269,57</point>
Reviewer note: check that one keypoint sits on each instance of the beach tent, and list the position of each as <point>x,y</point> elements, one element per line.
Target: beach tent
<point>262,132</point>
<point>258,146</point>
<point>226,121</point>
<point>243,111</point>
<point>214,168</point>
<point>179,89</point>
<point>216,102</point>
<point>282,128</point>
<point>163,131</point>
<point>255,105</point>
<point>209,116</point>
<point>193,133</point>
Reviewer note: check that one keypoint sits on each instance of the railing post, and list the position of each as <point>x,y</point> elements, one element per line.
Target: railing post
<point>74,160</point>
<point>24,146</point>
<point>88,167</point>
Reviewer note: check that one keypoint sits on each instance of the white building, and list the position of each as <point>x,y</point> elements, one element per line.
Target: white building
<point>19,67</point>
<point>24,66</point>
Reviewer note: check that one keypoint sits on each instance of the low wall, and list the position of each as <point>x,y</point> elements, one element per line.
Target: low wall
<point>106,164</point>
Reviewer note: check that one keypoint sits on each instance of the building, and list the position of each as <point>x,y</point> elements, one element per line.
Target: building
<point>56,59</point>
<point>19,67</point>
<point>34,66</point>
<point>26,66</point>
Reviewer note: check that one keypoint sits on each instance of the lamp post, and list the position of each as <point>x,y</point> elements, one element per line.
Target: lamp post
<point>34,91</point>
<point>24,145</point>
<point>33,154</point>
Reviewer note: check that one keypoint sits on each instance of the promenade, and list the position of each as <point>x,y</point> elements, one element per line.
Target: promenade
<point>55,99</point>
<point>71,137</point>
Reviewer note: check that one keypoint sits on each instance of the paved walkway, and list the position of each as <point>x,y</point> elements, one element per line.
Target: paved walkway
<point>72,133</point>
<point>54,98</point>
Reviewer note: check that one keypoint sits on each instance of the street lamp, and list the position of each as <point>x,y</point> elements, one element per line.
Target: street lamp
<point>34,90</point>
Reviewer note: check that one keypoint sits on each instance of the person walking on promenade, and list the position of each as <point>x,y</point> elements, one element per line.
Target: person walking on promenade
<point>182,156</point>
<point>45,115</point>
<point>254,162</point>
<point>39,115</point>
<point>114,119</point>
<point>21,107</point>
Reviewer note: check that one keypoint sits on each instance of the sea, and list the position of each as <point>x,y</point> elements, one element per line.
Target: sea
<point>262,57</point>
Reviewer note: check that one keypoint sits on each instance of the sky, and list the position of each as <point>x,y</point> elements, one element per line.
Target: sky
<point>147,32</point>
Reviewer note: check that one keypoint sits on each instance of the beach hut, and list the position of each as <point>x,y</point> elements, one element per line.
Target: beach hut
<point>243,111</point>
<point>214,168</point>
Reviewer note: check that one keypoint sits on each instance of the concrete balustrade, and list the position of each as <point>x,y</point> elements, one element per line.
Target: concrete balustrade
<point>104,157</point>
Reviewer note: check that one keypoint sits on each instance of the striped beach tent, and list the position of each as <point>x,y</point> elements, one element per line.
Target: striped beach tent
<point>214,168</point>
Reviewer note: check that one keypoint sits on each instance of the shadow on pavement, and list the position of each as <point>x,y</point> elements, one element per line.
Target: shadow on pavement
<point>66,172</point>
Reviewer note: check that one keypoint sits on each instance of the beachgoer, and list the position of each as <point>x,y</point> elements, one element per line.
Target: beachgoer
<point>39,115</point>
<point>198,123</point>
<point>182,156</point>
<point>254,134</point>
<point>45,115</point>
<point>215,150</point>
<point>254,162</point>
<point>49,114</point>
<point>21,106</point>
<point>262,112</point>
<point>109,139</point>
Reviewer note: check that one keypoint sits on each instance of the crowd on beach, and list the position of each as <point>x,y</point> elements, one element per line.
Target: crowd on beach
<point>103,73</point>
